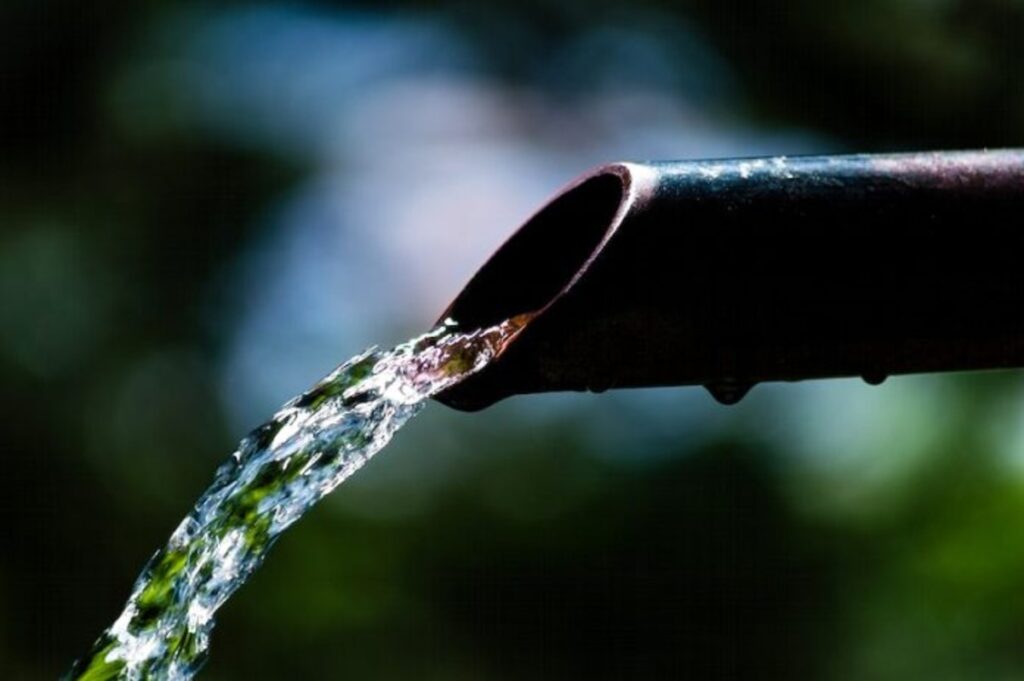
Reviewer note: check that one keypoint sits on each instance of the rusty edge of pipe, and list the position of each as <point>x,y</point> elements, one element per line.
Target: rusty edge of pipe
<point>734,272</point>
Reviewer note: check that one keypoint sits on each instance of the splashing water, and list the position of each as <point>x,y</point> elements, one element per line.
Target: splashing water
<point>278,472</point>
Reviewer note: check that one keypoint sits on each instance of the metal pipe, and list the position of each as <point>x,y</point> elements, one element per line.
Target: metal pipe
<point>731,273</point>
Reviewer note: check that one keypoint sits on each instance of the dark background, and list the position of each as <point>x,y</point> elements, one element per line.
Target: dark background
<point>204,208</point>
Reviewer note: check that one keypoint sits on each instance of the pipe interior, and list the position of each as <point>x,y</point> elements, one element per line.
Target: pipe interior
<point>543,257</point>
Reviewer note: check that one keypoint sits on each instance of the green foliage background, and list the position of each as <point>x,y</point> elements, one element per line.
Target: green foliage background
<point>877,536</point>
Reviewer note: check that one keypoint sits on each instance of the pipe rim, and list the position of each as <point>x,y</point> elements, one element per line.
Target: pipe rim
<point>560,242</point>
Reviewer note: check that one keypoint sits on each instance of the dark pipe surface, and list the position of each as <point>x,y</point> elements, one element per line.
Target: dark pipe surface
<point>730,273</point>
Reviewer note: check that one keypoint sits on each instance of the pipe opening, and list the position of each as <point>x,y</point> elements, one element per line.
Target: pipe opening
<point>544,257</point>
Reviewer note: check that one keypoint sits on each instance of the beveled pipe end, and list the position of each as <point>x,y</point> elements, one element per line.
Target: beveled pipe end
<point>553,249</point>
<point>540,263</point>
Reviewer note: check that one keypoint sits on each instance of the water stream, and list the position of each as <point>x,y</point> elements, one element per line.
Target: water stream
<point>278,472</point>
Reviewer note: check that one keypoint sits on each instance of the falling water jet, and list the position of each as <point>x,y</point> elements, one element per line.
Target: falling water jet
<point>277,474</point>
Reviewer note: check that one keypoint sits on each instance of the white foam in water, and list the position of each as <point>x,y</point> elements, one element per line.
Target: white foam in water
<point>278,472</point>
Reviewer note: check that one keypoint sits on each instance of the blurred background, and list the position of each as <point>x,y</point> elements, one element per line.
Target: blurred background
<point>205,207</point>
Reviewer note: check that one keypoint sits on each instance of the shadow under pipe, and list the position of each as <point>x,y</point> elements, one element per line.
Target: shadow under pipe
<point>735,272</point>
